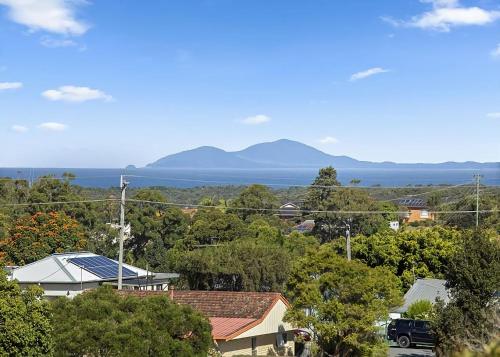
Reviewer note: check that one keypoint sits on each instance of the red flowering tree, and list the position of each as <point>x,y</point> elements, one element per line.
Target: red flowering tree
<point>34,237</point>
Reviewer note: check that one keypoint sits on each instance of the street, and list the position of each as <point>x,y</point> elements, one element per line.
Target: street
<point>410,352</point>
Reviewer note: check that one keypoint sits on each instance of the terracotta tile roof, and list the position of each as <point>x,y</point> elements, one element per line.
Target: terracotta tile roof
<point>230,313</point>
<point>224,327</point>
<point>249,305</point>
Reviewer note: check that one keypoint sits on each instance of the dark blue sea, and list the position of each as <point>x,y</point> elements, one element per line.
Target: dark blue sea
<point>277,178</point>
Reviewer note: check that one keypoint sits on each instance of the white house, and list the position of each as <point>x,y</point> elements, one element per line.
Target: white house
<point>289,210</point>
<point>69,274</point>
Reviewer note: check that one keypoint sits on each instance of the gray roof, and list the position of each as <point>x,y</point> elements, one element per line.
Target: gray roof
<point>59,268</point>
<point>424,289</point>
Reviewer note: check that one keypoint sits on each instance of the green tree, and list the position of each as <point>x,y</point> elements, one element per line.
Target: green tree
<point>155,229</point>
<point>36,236</point>
<point>471,318</point>
<point>52,189</point>
<point>420,309</point>
<point>260,229</point>
<point>322,187</point>
<point>25,325</point>
<point>241,265</point>
<point>340,301</point>
<point>325,194</point>
<point>103,323</point>
<point>409,254</point>
<point>297,244</point>
<point>210,226</point>
<point>255,199</point>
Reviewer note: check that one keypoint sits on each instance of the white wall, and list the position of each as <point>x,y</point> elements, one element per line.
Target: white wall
<point>272,323</point>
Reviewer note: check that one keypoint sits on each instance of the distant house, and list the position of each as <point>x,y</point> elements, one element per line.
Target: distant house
<point>243,323</point>
<point>422,289</point>
<point>69,274</point>
<point>417,210</point>
<point>289,211</point>
<point>305,227</point>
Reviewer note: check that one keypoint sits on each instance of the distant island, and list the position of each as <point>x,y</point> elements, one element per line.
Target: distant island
<point>286,153</point>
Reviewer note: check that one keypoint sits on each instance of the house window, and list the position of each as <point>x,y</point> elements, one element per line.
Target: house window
<point>254,346</point>
<point>424,214</point>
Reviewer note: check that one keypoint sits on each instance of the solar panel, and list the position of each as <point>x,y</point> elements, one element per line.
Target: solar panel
<point>103,267</point>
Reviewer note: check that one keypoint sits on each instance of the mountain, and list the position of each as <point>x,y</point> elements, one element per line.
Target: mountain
<point>204,157</point>
<point>288,154</point>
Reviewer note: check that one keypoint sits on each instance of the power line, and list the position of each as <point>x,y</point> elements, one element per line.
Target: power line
<point>300,210</point>
<point>177,204</point>
<point>285,184</point>
<point>55,178</point>
<point>56,203</point>
<point>464,185</point>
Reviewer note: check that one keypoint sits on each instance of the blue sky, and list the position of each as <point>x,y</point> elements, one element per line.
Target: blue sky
<point>106,83</point>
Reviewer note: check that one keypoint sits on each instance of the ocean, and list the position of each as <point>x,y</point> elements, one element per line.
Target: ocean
<point>276,178</point>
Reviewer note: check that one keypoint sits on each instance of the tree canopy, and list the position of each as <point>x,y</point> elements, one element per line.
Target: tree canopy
<point>25,325</point>
<point>33,237</point>
<point>103,323</point>
<point>340,301</point>
<point>471,318</point>
<point>413,253</point>
<point>255,199</point>
<point>241,265</point>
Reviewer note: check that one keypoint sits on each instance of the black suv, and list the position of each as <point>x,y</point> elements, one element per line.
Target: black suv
<point>407,332</point>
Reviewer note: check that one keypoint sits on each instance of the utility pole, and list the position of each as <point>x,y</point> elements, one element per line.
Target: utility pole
<point>123,187</point>
<point>348,238</point>
<point>478,179</point>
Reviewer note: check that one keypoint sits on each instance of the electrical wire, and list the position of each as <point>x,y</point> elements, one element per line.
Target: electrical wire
<point>300,210</point>
<point>231,208</point>
<point>56,202</point>
<point>464,185</point>
<point>282,184</point>
<point>53,178</point>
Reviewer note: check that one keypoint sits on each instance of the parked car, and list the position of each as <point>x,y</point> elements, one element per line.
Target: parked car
<point>408,332</point>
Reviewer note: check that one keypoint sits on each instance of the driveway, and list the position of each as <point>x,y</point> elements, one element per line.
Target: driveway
<point>410,352</point>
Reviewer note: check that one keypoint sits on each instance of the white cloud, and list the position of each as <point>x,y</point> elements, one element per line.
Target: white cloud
<point>54,42</point>
<point>496,52</point>
<point>56,16</point>
<point>493,115</point>
<point>53,126</point>
<point>19,128</point>
<point>76,94</point>
<point>10,85</point>
<point>328,140</point>
<point>446,14</point>
<point>367,73</point>
<point>256,120</point>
